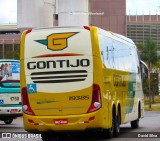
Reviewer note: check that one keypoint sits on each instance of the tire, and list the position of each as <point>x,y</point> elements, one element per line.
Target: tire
<point>48,136</point>
<point>116,125</point>
<point>109,133</point>
<point>135,124</point>
<point>8,121</point>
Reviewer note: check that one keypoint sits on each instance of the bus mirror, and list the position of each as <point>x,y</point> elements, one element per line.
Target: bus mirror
<point>146,73</point>
<point>144,69</point>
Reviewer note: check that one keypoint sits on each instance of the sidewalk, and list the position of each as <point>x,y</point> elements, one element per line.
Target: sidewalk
<point>154,107</point>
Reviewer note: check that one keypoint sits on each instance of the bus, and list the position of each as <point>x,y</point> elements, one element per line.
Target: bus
<point>10,97</point>
<point>79,79</point>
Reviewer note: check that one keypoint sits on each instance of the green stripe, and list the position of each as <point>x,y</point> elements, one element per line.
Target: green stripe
<point>11,105</point>
<point>131,93</point>
<point>45,102</point>
<point>9,90</point>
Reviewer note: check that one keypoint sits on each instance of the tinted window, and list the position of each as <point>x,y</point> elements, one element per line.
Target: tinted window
<point>118,55</point>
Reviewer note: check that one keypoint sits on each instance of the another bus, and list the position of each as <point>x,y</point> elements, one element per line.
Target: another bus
<point>79,79</point>
<point>10,97</point>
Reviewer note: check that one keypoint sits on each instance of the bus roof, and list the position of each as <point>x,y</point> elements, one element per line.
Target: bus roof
<point>8,60</point>
<point>103,32</point>
<point>124,38</point>
<point>109,33</point>
<point>57,27</point>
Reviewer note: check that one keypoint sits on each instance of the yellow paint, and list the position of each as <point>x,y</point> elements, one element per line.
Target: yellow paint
<point>22,69</point>
<point>59,41</point>
<point>104,77</point>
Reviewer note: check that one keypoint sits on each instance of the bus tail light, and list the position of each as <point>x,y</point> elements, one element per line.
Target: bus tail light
<point>25,102</point>
<point>28,31</point>
<point>86,27</point>
<point>96,99</point>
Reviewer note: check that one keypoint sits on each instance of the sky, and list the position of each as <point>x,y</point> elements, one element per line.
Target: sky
<point>142,7</point>
<point>8,9</point>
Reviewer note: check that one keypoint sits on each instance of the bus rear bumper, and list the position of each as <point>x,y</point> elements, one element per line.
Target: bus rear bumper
<point>95,120</point>
<point>11,112</point>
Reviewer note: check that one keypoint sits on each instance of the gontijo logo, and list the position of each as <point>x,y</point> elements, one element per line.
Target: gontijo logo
<point>57,41</point>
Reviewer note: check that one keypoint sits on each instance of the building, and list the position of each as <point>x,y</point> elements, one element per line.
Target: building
<point>114,17</point>
<point>9,40</point>
<point>142,27</point>
<point>107,14</point>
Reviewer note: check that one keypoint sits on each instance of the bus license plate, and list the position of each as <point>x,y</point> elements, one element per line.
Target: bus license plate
<point>14,110</point>
<point>61,121</point>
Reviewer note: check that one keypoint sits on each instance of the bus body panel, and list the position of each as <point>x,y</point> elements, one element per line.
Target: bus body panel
<point>57,80</point>
<point>65,109</point>
<point>10,97</point>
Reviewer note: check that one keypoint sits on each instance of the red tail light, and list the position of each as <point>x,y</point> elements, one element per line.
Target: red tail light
<point>96,99</point>
<point>86,27</point>
<point>28,31</point>
<point>25,102</point>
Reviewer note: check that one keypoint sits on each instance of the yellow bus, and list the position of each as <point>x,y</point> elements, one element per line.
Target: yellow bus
<point>79,79</point>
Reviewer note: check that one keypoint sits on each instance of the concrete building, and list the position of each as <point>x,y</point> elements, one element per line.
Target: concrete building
<point>107,14</point>
<point>142,27</point>
<point>9,39</point>
<point>114,17</point>
<point>35,13</point>
<point>73,12</point>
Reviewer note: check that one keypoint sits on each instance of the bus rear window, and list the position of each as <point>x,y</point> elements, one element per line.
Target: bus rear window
<point>9,70</point>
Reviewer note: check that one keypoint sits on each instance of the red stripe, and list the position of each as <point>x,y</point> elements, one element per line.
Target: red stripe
<point>10,81</point>
<point>57,55</point>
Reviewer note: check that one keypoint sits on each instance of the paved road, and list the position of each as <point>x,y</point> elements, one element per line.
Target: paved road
<point>150,125</point>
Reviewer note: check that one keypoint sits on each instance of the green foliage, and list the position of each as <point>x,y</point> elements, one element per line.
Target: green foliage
<point>154,85</point>
<point>149,52</point>
<point>145,87</point>
<point>140,46</point>
<point>12,55</point>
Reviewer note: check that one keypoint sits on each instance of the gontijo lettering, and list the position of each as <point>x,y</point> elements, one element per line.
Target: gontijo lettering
<point>58,64</point>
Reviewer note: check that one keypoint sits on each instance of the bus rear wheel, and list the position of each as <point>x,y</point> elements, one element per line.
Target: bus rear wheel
<point>135,123</point>
<point>115,129</point>
<point>48,136</point>
<point>108,133</point>
<point>8,121</point>
<point>116,125</point>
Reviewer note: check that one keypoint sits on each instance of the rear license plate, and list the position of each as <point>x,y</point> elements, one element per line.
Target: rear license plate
<point>61,121</point>
<point>14,110</point>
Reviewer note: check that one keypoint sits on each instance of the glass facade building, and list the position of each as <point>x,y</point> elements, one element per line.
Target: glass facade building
<point>141,27</point>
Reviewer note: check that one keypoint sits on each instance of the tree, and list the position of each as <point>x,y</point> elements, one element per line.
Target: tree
<point>12,55</point>
<point>148,53</point>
